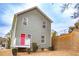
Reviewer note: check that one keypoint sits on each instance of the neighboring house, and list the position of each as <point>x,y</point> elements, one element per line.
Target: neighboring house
<point>31,23</point>
<point>3,42</point>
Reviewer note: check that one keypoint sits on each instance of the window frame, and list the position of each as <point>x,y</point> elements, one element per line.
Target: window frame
<point>43,39</point>
<point>24,20</point>
<point>44,25</point>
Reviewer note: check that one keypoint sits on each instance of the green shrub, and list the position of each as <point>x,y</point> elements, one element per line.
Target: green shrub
<point>51,49</point>
<point>28,50</point>
<point>42,49</point>
<point>14,51</point>
<point>34,47</point>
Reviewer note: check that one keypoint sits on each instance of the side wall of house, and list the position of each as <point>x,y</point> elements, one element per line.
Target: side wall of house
<point>34,27</point>
<point>13,32</point>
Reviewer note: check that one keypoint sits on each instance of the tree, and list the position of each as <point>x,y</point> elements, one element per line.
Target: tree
<point>66,6</point>
<point>74,27</point>
<point>8,36</point>
<point>76,14</point>
<point>77,25</point>
<point>71,29</point>
<point>54,34</point>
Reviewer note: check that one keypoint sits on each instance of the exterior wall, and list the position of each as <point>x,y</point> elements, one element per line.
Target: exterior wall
<point>34,27</point>
<point>13,31</point>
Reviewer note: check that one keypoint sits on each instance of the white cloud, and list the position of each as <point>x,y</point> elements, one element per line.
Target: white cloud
<point>4,30</point>
<point>8,16</point>
<point>68,12</point>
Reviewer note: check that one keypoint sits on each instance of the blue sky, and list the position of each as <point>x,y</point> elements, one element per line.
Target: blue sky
<point>61,21</point>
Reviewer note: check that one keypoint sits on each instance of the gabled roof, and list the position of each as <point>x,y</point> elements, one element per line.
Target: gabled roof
<point>27,10</point>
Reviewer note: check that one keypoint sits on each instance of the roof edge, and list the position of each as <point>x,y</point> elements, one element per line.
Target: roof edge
<point>35,7</point>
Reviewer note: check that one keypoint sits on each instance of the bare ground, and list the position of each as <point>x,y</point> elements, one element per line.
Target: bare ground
<point>50,53</point>
<point>8,52</point>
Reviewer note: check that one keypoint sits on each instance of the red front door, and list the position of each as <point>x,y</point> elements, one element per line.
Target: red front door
<point>22,39</point>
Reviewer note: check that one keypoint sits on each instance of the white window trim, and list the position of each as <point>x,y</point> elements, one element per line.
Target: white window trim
<point>44,39</point>
<point>23,21</point>
<point>14,42</point>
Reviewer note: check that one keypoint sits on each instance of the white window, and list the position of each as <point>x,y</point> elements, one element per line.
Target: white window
<point>25,21</point>
<point>43,40</point>
<point>44,24</point>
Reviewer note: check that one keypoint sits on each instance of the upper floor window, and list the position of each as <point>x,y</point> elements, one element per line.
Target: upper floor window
<point>44,24</point>
<point>25,21</point>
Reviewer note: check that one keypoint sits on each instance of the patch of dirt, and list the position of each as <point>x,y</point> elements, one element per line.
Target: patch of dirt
<point>50,53</point>
<point>6,52</point>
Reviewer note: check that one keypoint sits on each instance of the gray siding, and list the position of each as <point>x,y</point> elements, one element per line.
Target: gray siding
<point>34,27</point>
